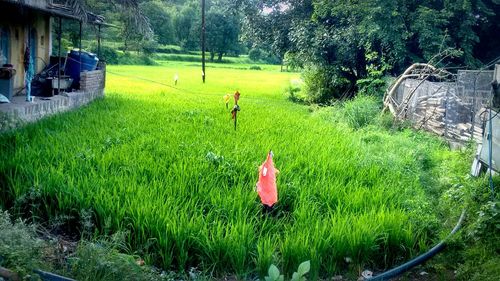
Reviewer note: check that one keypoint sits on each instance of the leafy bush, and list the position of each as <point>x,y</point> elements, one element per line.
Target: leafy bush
<point>108,54</point>
<point>259,55</point>
<point>255,67</point>
<point>360,111</point>
<point>111,56</point>
<point>178,57</point>
<point>322,84</point>
<point>299,275</point>
<point>327,82</point>
<point>387,121</point>
<point>135,59</point>
<point>66,46</point>
<point>294,91</point>
<point>487,224</point>
<point>482,238</point>
<point>375,82</point>
<point>475,253</point>
<point>293,61</point>
<point>373,86</point>
<point>103,260</point>
<point>148,47</point>
<point>20,251</point>
<point>255,54</point>
<point>169,49</point>
<point>272,59</point>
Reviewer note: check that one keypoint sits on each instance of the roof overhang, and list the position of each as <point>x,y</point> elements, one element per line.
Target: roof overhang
<point>58,10</point>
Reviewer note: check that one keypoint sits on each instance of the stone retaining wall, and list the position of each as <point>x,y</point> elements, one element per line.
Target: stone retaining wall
<point>32,111</point>
<point>91,81</point>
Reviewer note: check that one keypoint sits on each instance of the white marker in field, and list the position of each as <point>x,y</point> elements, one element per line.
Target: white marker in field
<point>176,78</point>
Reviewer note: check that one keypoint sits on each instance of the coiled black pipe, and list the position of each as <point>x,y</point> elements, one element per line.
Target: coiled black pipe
<point>48,276</point>
<point>420,259</point>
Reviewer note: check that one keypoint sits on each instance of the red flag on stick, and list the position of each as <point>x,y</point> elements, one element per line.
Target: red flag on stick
<point>266,186</point>
<point>226,99</point>
<point>236,97</point>
<point>236,108</point>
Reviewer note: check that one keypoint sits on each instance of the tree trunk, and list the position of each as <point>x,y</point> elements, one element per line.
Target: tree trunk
<point>351,75</point>
<point>219,59</point>
<point>212,55</point>
<point>361,64</point>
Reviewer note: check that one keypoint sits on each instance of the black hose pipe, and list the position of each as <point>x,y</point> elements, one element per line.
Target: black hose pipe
<point>420,259</point>
<point>47,276</point>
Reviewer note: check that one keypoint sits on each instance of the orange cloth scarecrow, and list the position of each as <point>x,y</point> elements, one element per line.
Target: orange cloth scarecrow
<point>266,186</point>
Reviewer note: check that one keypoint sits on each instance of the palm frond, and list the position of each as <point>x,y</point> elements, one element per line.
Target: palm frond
<point>79,8</point>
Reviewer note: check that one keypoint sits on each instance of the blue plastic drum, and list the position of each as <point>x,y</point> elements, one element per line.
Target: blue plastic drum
<point>72,67</point>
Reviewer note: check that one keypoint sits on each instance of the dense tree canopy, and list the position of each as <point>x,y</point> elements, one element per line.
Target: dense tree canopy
<point>339,42</point>
<point>160,20</point>
<point>187,23</point>
<point>222,34</point>
<point>337,39</point>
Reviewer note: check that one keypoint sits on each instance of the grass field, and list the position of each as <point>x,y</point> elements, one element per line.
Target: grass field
<point>166,165</point>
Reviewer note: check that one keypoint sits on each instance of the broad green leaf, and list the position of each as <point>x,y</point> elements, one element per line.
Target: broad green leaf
<point>273,272</point>
<point>304,268</point>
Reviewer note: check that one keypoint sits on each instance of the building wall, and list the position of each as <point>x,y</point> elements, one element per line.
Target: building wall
<point>454,110</point>
<point>18,26</point>
<point>42,25</point>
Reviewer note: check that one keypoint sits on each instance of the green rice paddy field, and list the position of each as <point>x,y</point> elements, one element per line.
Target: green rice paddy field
<point>167,166</point>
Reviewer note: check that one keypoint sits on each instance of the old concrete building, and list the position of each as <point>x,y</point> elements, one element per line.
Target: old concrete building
<point>26,38</point>
<point>23,27</point>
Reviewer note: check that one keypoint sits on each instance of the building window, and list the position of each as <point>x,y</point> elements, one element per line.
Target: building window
<point>4,45</point>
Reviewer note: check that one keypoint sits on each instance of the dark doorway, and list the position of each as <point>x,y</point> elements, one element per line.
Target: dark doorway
<point>5,84</point>
<point>33,48</point>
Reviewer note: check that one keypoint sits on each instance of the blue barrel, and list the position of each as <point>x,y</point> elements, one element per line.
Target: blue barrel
<point>72,67</point>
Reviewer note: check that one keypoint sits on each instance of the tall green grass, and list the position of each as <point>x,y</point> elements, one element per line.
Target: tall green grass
<point>167,165</point>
